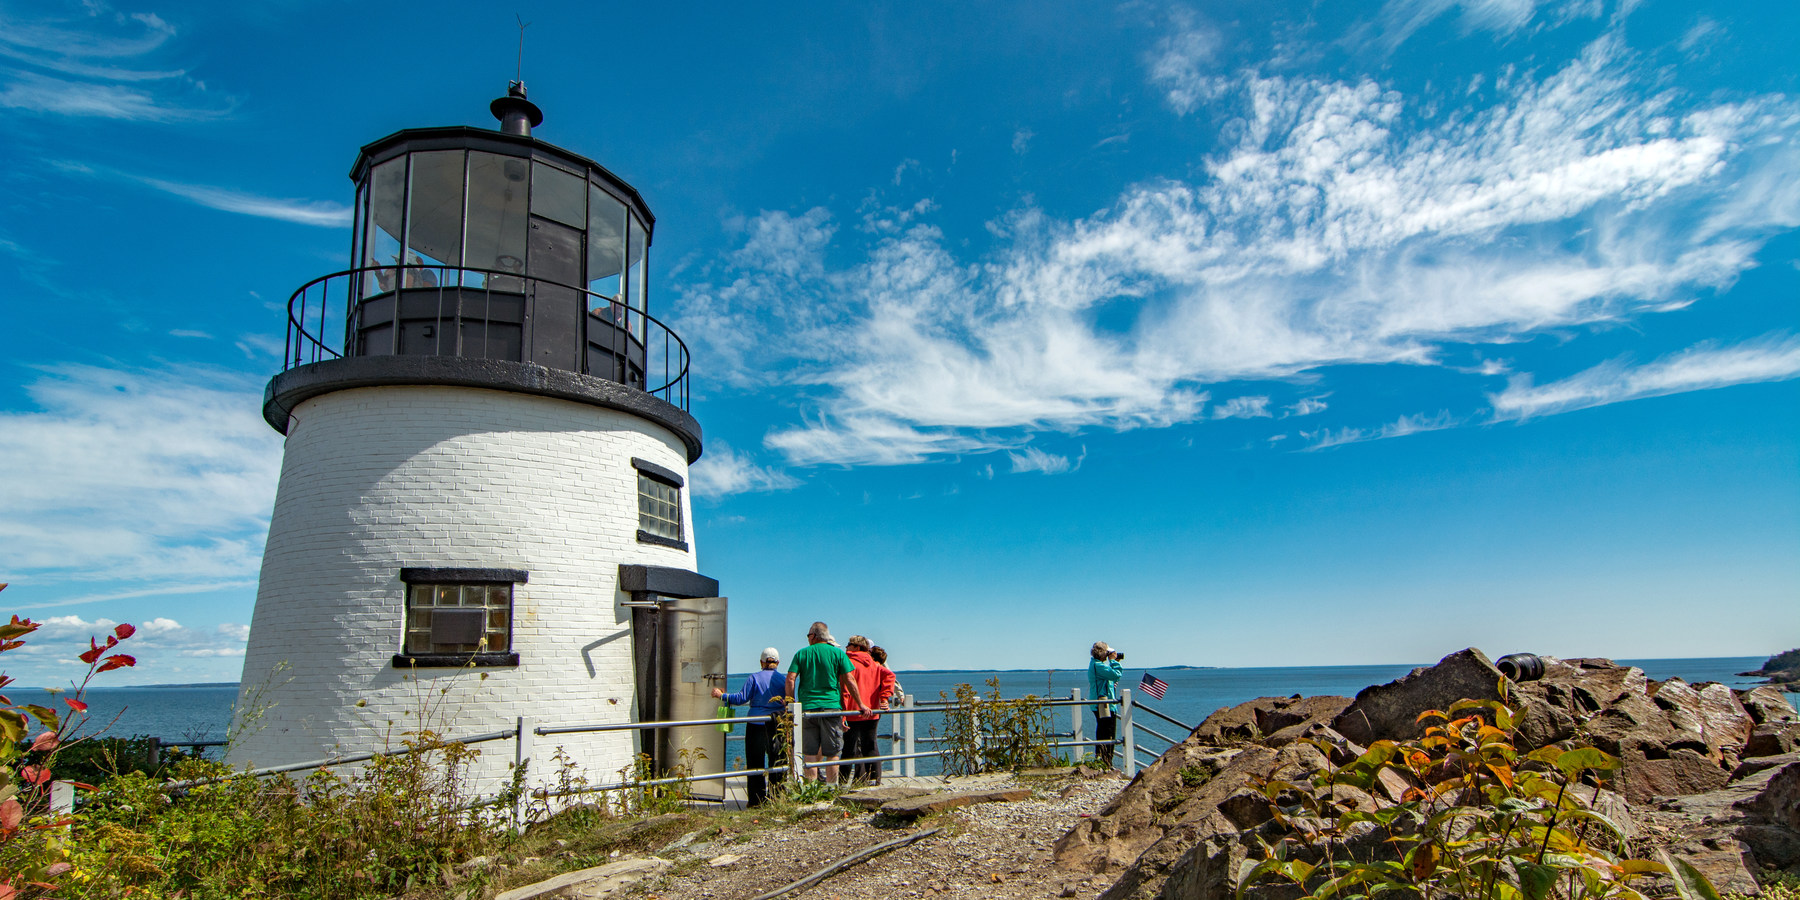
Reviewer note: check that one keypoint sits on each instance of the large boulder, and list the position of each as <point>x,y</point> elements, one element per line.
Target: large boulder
<point>1228,804</point>
<point>1636,722</point>
<point>1767,706</point>
<point>1256,719</point>
<point>1732,833</point>
<point>1643,778</point>
<point>1772,740</point>
<point>1191,774</point>
<point>1391,710</point>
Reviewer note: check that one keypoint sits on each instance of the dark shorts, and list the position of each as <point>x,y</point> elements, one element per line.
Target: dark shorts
<point>823,736</point>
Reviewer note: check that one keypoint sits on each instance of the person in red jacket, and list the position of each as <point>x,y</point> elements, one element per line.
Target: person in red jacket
<point>877,684</point>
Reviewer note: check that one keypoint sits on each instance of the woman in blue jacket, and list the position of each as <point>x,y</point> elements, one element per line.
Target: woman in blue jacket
<point>765,692</point>
<point>1104,672</point>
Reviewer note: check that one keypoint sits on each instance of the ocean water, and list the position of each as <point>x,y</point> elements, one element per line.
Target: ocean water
<point>203,712</point>
<point>199,712</point>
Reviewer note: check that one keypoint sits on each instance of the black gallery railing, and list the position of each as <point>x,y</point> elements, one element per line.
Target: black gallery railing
<point>419,310</point>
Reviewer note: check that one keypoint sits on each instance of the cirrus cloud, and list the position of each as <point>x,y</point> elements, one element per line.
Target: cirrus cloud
<point>1334,226</point>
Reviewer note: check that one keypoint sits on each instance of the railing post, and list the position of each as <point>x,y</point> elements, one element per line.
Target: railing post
<point>906,702</point>
<point>1075,723</point>
<point>522,758</point>
<point>1130,733</point>
<point>980,745</point>
<point>796,759</point>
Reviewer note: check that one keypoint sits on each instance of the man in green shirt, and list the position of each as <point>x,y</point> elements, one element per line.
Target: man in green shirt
<point>818,677</point>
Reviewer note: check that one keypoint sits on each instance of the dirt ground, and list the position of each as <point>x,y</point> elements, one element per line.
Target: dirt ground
<point>989,850</point>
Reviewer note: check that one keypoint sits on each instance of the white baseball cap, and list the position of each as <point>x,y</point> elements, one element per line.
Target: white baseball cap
<point>771,653</point>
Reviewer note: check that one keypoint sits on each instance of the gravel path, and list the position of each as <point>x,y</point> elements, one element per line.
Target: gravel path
<point>988,850</point>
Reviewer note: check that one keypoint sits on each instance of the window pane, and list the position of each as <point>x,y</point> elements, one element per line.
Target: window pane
<point>356,224</point>
<point>497,218</point>
<point>434,223</point>
<point>488,605</point>
<point>557,195</point>
<point>659,508</point>
<point>606,244</point>
<point>635,276</point>
<point>387,197</point>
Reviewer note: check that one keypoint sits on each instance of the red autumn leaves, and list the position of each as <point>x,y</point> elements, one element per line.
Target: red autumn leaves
<point>115,661</point>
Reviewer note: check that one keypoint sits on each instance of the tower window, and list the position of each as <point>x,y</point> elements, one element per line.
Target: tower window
<point>659,505</point>
<point>458,617</point>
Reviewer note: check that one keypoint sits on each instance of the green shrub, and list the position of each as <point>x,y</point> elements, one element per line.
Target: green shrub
<point>397,822</point>
<point>96,761</point>
<point>989,734</point>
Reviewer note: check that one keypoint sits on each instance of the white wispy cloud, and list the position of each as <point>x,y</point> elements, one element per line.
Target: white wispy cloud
<point>136,476</point>
<point>1031,459</point>
<point>158,641</point>
<point>99,66</point>
<point>1184,64</point>
<point>1333,228</point>
<point>301,212</point>
<point>1401,427</point>
<point>722,471</point>
<point>1399,19</point>
<point>1704,367</point>
<point>1242,408</point>
<point>1306,406</point>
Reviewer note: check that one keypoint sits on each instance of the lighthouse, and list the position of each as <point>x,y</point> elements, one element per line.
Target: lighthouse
<point>483,517</point>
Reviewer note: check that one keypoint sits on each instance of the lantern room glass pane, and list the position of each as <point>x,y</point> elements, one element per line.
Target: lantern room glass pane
<point>356,224</point>
<point>636,293</point>
<point>558,196</point>
<point>497,219</point>
<point>606,244</point>
<point>387,199</point>
<point>434,222</point>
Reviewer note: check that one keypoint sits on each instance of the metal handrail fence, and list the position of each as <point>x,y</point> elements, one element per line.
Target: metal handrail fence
<point>904,736</point>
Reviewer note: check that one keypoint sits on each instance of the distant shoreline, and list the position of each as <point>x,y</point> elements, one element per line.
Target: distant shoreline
<point>1636,661</point>
<point>136,687</point>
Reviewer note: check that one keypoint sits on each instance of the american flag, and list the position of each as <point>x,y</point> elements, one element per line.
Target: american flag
<point>1153,686</point>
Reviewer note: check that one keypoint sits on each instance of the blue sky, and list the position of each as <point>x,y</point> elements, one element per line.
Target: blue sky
<point>1231,333</point>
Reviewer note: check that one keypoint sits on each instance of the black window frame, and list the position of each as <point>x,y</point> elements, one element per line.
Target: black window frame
<point>647,469</point>
<point>412,576</point>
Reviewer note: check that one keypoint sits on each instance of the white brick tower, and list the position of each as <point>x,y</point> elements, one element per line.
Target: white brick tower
<point>483,512</point>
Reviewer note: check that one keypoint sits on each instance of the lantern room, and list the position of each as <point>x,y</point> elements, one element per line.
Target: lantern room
<point>475,243</point>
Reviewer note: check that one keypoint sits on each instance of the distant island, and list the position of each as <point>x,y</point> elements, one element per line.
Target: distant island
<point>1781,670</point>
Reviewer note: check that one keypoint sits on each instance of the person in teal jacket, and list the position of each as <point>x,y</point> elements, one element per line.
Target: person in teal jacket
<point>1104,672</point>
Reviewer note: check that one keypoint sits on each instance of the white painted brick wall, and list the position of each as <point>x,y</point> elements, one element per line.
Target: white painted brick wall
<point>374,479</point>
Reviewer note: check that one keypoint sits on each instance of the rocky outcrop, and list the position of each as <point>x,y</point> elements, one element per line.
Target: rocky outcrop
<point>1392,710</point>
<point>1710,774</point>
